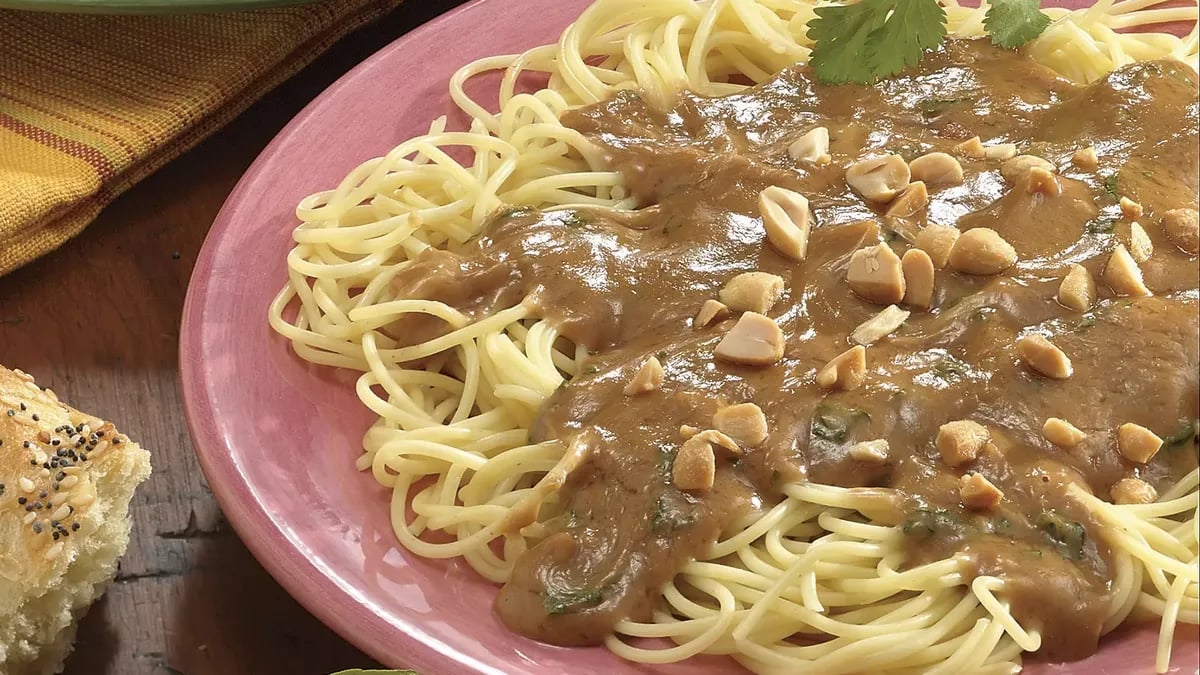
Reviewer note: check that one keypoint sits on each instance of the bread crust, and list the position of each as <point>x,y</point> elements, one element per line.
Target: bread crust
<point>66,479</point>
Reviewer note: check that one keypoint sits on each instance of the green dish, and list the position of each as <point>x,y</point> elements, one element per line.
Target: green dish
<point>144,6</point>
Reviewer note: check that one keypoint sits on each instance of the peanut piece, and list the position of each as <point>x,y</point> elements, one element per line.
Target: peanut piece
<point>752,292</point>
<point>978,493</point>
<point>971,148</point>
<point>879,326</point>
<point>1040,181</point>
<point>811,147</point>
<point>1086,159</point>
<point>982,251</point>
<point>936,168</point>
<point>1140,246</point>
<point>1133,491</point>
<point>938,241</point>
<point>695,465</point>
<point>1130,209</point>
<point>961,441</point>
<point>1062,433</point>
<point>914,198</point>
<point>878,179</point>
<point>1000,151</point>
<point>720,440</point>
<point>875,452</point>
<point>1077,290</point>
<point>744,422</point>
<point>845,371</point>
<point>1123,275</point>
<point>875,274</point>
<point>1018,167</point>
<point>786,219</point>
<point>918,278</point>
<point>755,340</point>
<point>1137,443</point>
<point>1183,228</point>
<point>648,378</point>
<point>1043,356</point>
<point>710,311</point>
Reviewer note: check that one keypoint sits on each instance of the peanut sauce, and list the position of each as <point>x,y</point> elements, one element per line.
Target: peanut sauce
<point>628,284</point>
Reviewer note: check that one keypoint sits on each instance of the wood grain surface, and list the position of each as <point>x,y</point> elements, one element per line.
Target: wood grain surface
<point>189,598</point>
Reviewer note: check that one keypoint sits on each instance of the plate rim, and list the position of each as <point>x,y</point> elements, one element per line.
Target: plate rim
<point>253,524</point>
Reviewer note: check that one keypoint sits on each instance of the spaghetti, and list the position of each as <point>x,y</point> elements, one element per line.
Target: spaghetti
<point>455,410</point>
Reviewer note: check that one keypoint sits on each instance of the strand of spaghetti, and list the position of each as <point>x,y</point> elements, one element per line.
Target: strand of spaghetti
<point>983,587</point>
<point>692,647</point>
<point>1166,630</point>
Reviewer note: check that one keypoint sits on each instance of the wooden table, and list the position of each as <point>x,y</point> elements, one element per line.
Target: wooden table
<point>188,598</point>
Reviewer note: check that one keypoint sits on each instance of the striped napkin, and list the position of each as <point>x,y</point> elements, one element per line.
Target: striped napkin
<point>89,105</point>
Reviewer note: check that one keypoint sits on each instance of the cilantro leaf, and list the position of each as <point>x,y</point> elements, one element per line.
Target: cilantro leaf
<point>914,26</point>
<point>1012,23</point>
<point>839,34</point>
<point>871,39</point>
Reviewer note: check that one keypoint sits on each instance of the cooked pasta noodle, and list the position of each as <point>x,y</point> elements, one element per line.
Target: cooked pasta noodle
<point>451,439</point>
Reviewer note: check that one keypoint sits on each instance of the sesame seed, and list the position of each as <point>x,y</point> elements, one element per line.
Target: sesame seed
<point>69,482</point>
<point>54,551</point>
<point>26,484</point>
<point>29,518</point>
<point>74,527</point>
<point>61,512</point>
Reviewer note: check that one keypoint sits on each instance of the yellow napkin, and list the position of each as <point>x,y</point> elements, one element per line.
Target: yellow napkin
<point>89,105</point>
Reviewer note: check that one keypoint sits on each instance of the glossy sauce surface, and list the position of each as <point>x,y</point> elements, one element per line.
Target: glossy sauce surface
<point>627,285</point>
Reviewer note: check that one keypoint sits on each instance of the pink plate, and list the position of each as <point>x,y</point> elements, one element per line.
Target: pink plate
<point>278,437</point>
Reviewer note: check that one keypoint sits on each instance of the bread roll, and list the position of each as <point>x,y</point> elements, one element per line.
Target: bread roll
<point>66,479</point>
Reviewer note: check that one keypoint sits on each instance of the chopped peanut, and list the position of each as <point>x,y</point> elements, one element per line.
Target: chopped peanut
<point>1086,159</point>
<point>1018,167</point>
<point>1062,433</point>
<point>755,340</point>
<point>720,440</point>
<point>744,422</point>
<point>695,466</point>
<point>1043,356</point>
<point>648,378</point>
<point>978,492</point>
<point>687,430</point>
<point>879,326</point>
<point>961,441</point>
<point>938,241</point>
<point>1077,290</point>
<point>1133,491</point>
<point>710,311</point>
<point>982,251</point>
<point>914,198</point>
<point>1000,151</point>
<point>918,278</point>
<point>786,219</point>
<point>1183,227</point>
<point>878,179</point>
<point>969,149</point>
<point>1040,181</point>
<point>874,274</point>
<point>870,451</point>
<point>752,292</point>
<point>1130,209</point>
<point>936,168</point>
<point>1123,275</point>
<point>1137,443</point>
<point>811,147</point>
<point>1140,246</point>
<point>845,371</point>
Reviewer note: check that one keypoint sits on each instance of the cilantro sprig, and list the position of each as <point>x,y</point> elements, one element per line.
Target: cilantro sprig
<point>1012,23</point>
<point>872,39</point>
